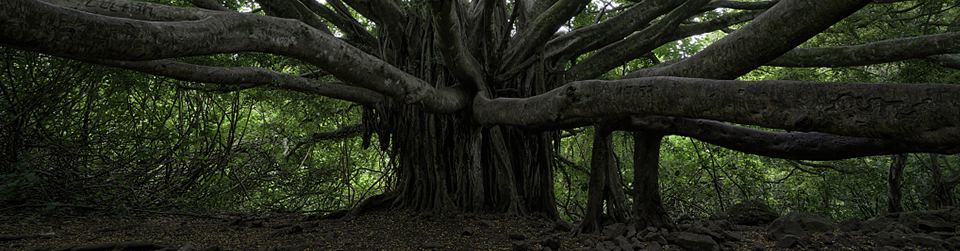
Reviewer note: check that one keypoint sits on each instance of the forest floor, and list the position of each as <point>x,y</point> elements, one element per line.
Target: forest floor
<point>377,230</point>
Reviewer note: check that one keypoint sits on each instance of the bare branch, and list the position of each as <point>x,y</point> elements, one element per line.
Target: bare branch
<point>687,30</point>
<point>65,32</point>
<point>135,10</point>
<point>249,76</point>
<point>872,53</point>
<point>347,131</point>
<point>778,30</point>
<point>911,113</point>
<point>827,166</point>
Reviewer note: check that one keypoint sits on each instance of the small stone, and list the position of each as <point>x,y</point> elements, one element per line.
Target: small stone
<point>516,236</point>
<point>613,230</point>
<point>609,245</point>
<point>188,247</point>
<point>550,242</point>
<point>751,212</point>
<point>468,231</point>
<point>521,245</point>
<point>486,223</point>
<point>693,241</point>
<point>653,246</point>
<point>731,236</point>
<point>623,243</point>
<point>787,241</point>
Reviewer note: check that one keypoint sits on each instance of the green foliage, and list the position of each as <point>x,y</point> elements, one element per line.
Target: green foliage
<point>84,135</point>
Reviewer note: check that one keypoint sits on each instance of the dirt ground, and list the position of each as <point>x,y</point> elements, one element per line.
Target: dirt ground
<point>378,230</point>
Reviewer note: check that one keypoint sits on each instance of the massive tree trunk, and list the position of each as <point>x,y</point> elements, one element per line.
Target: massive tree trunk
<point>448,163</point>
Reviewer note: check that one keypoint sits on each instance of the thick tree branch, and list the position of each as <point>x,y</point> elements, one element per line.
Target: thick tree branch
<point>135,10</point>
<point>293,9</point>
<point>525,11</point>
<point>464,67</point>
<point>741,5</point>
<point>778,30</point>
<point>912,113</point>
<point>532,40</point>
<point>388,14</point>
<point>683,31</point>
<point>596,36</point>
<point>490,31</point>
<point>872,53</point>
<point>355,34</point>
<point>634,46</point>
<point>949,61</point>
<point>785,145</point>
<point>35,26</point>
<point>249,76</point>
<point>687,30</point>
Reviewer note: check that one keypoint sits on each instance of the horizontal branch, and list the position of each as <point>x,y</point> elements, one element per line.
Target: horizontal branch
<point>35,26</point>
<point>912,113</point>
<point>949,61</point>
<point>135,9</point>
<point>347,131</point>
<point>872,53</point>
<point>740,5</point>
<point>784,145</point>
<point>249,76</point>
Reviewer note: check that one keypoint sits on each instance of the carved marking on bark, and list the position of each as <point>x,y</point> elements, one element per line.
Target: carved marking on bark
<point>122,7</point>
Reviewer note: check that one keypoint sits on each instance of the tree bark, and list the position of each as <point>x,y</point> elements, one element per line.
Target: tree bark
<point>778,30</point>
<point>828,107</point>
<point>599,165</point>
<point>894,179</point>
<point>784,145</point>
<point>647,204</point>
<point>872,53</point>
